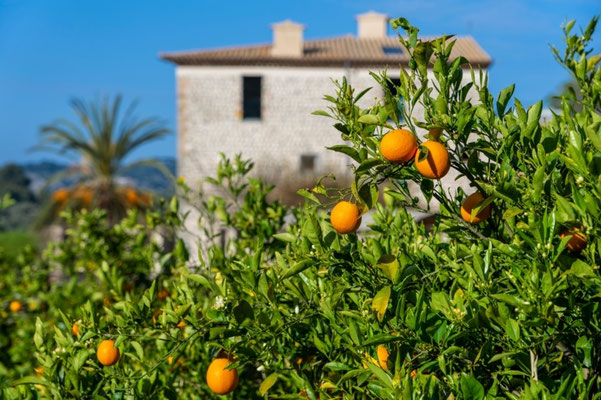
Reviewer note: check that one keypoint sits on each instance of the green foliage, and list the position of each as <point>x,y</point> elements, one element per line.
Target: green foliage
<point>14,243</point>
<point>498,310</point>
<point>14,183</point>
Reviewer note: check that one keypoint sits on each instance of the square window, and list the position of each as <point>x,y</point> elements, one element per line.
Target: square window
<point>308,163</point>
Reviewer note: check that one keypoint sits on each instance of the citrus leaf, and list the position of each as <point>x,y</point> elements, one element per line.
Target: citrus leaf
<point>380,302</point>
<point>369,119</point>
<point>268,383</point>
<point>389,266</point>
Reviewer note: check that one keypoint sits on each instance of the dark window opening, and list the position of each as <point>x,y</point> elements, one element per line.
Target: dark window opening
<point>392,50</point>
<point>251,94</point>
<point>392,86</point>
<point>308,162</point>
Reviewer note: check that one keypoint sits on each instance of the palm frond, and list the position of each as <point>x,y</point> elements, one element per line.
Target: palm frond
<point>147,162</point>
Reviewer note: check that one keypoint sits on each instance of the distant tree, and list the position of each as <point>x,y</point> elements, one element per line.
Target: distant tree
<point>19,213</point>
<point>14,181</point>
<point>102,137</point>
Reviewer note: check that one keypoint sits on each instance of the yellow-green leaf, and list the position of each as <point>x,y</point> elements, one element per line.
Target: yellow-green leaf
<point>268,383</point>
<point>380,302</point>
<point>389,266</point>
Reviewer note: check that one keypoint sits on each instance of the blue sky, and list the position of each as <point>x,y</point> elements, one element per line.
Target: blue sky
<point>53,50</point>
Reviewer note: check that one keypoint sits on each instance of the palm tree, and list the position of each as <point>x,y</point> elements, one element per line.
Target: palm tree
<point>103,137</point>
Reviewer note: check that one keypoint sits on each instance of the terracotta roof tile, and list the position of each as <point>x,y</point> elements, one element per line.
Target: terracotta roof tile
<point>325,52</point>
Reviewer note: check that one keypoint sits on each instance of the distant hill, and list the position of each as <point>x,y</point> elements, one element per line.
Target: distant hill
<point>143,177</point>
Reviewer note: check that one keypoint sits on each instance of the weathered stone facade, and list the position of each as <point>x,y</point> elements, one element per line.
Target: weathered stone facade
<point>210,121</point>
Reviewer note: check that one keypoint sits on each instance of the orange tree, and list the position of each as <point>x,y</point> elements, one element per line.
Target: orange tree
<point>499,299</point>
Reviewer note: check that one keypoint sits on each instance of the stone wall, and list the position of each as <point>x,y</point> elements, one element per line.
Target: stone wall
<point>210,121</point>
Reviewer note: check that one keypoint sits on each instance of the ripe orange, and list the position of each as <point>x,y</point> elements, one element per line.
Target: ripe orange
<point>398,146</point>
<point>60,195</point>
<point>15,306</point>
<point>220,379</point>
<point>107,354</point>
<point>383,357</point>
<point>75,329</point>
<point>436,164</point>
<point>162,294</point>
<point>577,241</point>
<point>345,217</point>
<point>469,204</point>
<point>181,324</point>
<point>131,197</point>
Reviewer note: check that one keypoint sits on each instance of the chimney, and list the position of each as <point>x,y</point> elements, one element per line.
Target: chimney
<point>372,25</point>
<point>287,39</point>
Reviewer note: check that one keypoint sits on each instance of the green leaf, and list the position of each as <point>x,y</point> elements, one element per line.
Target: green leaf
<point>268,383</point>
<point>440,302</point>
<point>38,336</point>
<point>29,380</point>
<point>512,212</point>
<point>582,269</point>
<point>139,351</point>
<point>349,151</point>
<point>512,329</point>
<point>80,359</point>
<point>503,99</point>
<point>286,237</point>
<point>423,153</point>
<point>380,302</point>
<point>297,268</point>
<point>471,388</point>
<point>369,119</point>
<point>367,165</point>
<point>322,113</point>
<point>308,195</point>
<point>389,265</point>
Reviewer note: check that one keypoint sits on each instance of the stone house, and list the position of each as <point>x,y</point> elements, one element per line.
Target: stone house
<point>257,100</point>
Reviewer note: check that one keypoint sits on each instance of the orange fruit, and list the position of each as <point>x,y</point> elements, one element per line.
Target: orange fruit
<point>60,195</point>
<point>15,306</point>
<point>131,197</point>
<point>39,370</point>
<point>107,354</point>
<point>170,360</point>
<point>345,217</point>
<point>162,294</point>
<point>398,146</point>
<point>181,324</point>
<point>469,204</point>
<point>577,241</point>
<point>75,329</point>
<point>413,373</point>
<point>436,164</point>
<point>220,379</point>
<point>383,357</point>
